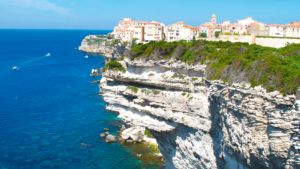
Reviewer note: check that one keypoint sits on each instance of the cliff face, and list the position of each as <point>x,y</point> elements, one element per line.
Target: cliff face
<point>111,48</point>
<point>205,124</point>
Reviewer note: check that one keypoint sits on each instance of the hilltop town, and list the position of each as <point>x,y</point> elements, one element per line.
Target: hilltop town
<point>244,30</point>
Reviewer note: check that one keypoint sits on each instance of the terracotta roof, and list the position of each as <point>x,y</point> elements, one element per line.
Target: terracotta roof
<point>294,24</point>
<point>191,27</point>
<point>279,25</point>
<point>180,23</point>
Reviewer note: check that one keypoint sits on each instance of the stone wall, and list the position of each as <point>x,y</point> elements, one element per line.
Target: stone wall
<point>275,42</point>
<point>268,42</point>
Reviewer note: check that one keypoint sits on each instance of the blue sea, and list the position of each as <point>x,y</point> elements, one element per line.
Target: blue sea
<point>50,112</point>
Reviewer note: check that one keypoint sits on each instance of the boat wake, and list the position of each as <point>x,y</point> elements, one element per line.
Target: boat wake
<point>28,62</point>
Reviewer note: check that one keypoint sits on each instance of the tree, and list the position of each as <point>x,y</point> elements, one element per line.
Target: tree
<point>203,35</point>
<point>134,42</point>
<point>217,34</point>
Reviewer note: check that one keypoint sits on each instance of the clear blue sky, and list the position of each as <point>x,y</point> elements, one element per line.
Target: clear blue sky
<point>104,14</point>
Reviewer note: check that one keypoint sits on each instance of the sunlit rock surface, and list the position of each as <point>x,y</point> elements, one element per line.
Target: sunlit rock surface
<point>205,124</point>
<point>200,123</point>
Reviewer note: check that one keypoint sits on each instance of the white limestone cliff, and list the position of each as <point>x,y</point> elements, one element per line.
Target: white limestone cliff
<point>200,123</point>
<point>111,48</point>
<point>205,124</point>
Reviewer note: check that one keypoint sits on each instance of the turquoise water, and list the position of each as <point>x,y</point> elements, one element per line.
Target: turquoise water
<point>50,112</point>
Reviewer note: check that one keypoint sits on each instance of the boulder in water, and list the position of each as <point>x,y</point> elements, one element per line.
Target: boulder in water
<point>110,138</point>
<point>135,134</point>
<point>102,135</point>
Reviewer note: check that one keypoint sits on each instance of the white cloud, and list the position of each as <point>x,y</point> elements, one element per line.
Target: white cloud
<point>44,5</point>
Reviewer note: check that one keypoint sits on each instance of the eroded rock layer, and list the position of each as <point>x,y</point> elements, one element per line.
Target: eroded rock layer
<point>205,124</point>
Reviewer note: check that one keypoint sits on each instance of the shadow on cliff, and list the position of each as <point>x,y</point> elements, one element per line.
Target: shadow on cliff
<point>167,143</point>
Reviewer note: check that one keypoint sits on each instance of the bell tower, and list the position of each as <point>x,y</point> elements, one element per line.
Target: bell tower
<point>213,19</point>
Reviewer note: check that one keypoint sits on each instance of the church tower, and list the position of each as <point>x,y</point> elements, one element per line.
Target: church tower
<point>213,19</point>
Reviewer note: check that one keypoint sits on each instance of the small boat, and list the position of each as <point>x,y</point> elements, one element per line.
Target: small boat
<point>15,68</point>
<point>86,56</point>
<point>94,72</point>
<point>48,54</point>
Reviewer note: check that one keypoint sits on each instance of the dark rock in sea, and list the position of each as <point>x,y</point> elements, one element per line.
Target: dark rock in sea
<point>106,129</point>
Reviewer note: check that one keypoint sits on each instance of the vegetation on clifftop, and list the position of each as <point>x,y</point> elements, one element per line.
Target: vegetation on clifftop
<point>274,69</point>
<point>113,65</point>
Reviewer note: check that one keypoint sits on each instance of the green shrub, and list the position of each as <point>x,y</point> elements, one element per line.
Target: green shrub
<point>203,35</point>
<point>217,34</point>
<point>113,65</point>
<point>94,41</point>
<point>147,92</point>
<point>148,133</point>
<point>154,148</point>
<point>155,92</point>
<point>133,89</point>
<point>194,78</point>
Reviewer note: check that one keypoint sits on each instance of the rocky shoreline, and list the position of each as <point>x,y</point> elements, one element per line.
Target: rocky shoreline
<point>200,123</point>
<point>142,145</point>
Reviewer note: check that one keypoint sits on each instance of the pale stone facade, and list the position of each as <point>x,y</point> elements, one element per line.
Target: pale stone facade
<point>141,31</point>
<point>181,31</point>
<point>291,30</point>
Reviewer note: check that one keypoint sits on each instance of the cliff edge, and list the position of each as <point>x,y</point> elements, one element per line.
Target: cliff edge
<point>204,123</point>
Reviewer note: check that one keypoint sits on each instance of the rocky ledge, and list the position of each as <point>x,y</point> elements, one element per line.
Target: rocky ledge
<point>111,48</point>
<point>205,124</point>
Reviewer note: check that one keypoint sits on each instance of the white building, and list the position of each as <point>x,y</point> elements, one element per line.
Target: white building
<point>153,31</point>
<point>124,30</point>
<point>293,30</point>
<point>246,22</point>
<point>276,30</point>
<point>181,31</point>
